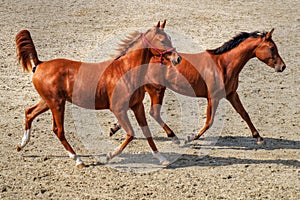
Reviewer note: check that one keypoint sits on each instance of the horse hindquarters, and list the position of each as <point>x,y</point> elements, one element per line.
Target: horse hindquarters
<point>50,81</point>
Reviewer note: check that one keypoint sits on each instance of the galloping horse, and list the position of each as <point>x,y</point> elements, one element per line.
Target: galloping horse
<point>112,84</point>
<point>213,74</point>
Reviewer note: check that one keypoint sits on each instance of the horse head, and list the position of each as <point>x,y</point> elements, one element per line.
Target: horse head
<point>160,45</point>
<point>267,52</point>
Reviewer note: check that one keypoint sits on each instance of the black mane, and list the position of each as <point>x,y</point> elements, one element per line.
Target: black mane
<point>235,41</point>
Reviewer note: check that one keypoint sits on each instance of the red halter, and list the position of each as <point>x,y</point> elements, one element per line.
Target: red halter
<point>161,53</point>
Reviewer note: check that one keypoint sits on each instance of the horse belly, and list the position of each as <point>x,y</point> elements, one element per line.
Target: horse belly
<point>87,97</point>
<point>86,89</point>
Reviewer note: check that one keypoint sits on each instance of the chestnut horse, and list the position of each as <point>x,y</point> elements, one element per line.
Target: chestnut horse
<point>213,74</point>
<point>110,85</point>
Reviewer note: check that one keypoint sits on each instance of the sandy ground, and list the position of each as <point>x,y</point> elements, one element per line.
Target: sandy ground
<point>234,167</point>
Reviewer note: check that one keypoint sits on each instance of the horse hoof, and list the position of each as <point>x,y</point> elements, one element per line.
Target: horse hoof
<point>108,157</point>
<point>80,166</point>
<point>175,140</point>
<point>165,163</point>
<point>188,139</point>
<point>261,142</point>
<point>19,148</point>
<point>111,133</point>
<point>114,129</point>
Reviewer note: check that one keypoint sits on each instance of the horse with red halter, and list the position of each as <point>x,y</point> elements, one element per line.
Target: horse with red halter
<point>113,84</point>
<point>212,74</point>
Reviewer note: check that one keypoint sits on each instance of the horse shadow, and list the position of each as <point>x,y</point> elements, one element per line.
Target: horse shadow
<point>179,160</point>
<point>187,160</point>
<point>249,143</point>
<point>238,143</point>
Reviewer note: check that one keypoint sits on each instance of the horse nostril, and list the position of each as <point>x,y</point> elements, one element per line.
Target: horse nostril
<point>283,68</point>
<point>179,59</point>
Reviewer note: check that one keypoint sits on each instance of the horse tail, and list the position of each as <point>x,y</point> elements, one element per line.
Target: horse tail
<point>27,55</point>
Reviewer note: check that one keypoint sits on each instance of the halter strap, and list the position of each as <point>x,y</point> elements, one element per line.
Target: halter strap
<point>161,53</point>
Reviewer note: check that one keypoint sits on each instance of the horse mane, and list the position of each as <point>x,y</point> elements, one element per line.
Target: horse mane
<point>235,41</point>
<point>126,44</point>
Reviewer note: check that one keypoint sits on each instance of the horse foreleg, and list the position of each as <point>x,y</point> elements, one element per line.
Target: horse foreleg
<point>139,113</point>
<point>156,95</point>
<point>30,114</point>
<point>125,123</point>
<point>212,105</point>
<point>58,129</point>
<point>235,101</point>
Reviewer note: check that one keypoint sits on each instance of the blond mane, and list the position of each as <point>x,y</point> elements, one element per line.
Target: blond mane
<point>126,44</point>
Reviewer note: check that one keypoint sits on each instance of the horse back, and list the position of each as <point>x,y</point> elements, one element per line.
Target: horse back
<point>73,81</point>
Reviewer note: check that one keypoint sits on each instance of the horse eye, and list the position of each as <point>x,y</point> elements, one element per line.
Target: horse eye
<point>161,38</point>
<point>272,49</point>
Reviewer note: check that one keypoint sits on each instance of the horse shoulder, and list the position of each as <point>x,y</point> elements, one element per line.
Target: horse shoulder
<point>212,75</point>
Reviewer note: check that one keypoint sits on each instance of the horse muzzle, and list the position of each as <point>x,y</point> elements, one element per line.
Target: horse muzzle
<point>175,61</point>
<point>280,68</point>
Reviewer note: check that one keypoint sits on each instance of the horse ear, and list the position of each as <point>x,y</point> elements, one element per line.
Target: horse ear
<point>163,24</point>
<point>158,24</point>
<point>269,34</point>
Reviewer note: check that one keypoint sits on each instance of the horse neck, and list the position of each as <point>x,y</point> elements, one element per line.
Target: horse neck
<point>185,76</point>
<point>141,56</point>
<point>136,56</point>
<point>233,61</point>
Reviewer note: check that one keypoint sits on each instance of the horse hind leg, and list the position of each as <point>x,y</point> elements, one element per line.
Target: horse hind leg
<point>155,113</point>
<point>30,114</point>
<point>58,129</point>
<point>156,95</point>
<point>210,114</point>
